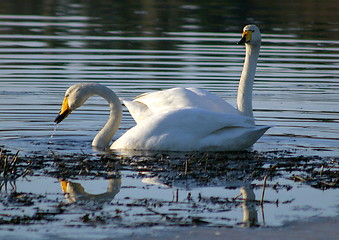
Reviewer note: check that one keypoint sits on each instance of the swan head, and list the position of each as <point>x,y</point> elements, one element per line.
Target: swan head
<point>75,97</point>
<point>251,35</point>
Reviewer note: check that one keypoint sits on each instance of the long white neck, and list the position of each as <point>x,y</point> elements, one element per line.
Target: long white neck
<point>244,99</point>
<point>103,138</point>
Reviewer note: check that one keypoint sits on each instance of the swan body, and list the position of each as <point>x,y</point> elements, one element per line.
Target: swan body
<point>147,104</point>
<point>179,119</point>
<point>191,129</point>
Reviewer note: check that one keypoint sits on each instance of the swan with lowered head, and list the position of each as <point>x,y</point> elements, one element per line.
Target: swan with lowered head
<point>179,119</point>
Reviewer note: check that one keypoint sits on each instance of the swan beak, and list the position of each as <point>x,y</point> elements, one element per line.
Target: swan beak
<point>246,37</point>
<point>64,112</point>
<point>63,185</point>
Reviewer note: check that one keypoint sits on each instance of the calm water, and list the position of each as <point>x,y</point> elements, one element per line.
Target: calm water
<point>142,46</point>
<point>152,46</point>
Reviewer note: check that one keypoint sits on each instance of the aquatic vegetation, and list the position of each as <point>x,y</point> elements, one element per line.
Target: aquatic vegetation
<point>253,173</point>
<point>10,166</point>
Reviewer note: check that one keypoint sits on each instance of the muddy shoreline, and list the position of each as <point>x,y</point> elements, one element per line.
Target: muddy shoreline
<point>182,217</point>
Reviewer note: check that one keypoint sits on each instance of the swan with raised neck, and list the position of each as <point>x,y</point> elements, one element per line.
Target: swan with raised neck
<point>188,119</point>
<point>251,37</point>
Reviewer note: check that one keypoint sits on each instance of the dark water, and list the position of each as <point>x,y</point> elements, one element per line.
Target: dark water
<point>140,46</point>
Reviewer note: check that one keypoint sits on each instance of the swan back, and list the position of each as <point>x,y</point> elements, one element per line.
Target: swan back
<point>172,99</point>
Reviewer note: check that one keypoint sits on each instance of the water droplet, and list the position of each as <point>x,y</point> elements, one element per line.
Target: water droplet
<point>55,128</point>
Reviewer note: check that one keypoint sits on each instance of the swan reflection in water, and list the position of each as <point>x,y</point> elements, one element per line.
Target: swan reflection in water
<point>169,182</point>
<point>250,216</point>
<point>75,192</point>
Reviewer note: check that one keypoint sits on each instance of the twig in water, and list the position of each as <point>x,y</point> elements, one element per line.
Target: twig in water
<point>263,191</point>
<point>186,166</point>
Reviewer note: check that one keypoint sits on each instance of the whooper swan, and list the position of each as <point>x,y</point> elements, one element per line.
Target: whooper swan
<point>179,119</point>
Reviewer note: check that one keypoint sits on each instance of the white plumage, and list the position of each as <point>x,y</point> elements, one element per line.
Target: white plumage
<point>180,119</point>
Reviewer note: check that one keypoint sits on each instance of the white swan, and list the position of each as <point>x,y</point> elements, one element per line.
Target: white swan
<point>180,119</point>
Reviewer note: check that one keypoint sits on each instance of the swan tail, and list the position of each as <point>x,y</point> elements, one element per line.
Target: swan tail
<point>233,138</point>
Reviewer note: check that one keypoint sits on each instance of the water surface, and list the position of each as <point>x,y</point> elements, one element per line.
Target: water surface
<point>42,55</point>
<point>135,47</point>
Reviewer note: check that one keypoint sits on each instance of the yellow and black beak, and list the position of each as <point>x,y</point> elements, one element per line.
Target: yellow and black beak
<point>246,37</point>
<point>63,185</point>
<point>64,112</point>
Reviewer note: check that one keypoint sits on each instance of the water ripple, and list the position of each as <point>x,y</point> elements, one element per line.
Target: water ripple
<point>296,83</point>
